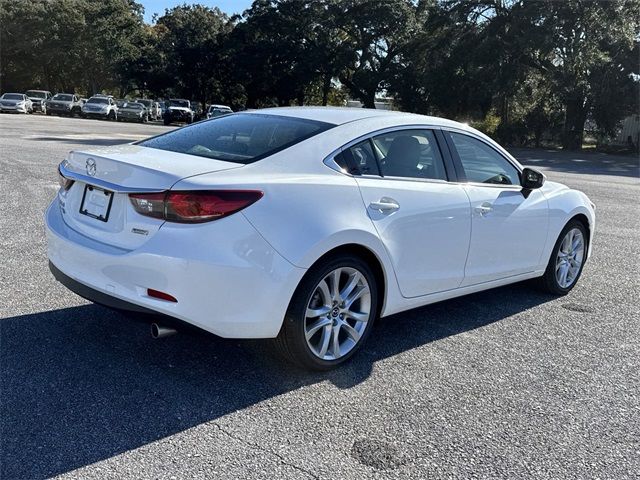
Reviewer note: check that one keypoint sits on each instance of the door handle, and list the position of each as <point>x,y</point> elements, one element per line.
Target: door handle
<point>484,209</point>
<point>385,205</point>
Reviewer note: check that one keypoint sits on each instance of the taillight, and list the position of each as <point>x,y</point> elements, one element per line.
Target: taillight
<point>149,204</point>
<point>193,206</point>
<point>64,182</point>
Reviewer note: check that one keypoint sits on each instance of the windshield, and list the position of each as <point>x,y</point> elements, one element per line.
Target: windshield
<point>144,102</point>
<point>12,96</point>
<point>63,97</point>
<point>179,103</point>
<point>240,138</point>
<point>99,100</point>
<point>35,94</point>
<point>133,106</point>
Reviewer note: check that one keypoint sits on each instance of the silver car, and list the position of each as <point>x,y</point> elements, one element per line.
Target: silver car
<point>16,103</point>
<point>100,106</point>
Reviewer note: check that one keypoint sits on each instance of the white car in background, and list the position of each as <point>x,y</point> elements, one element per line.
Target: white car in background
<point>100,106</point>
<point>307,224</point>
<point>15,102</point>
<point>217,110</point>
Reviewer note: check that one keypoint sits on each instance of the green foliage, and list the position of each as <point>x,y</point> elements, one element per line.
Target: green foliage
<point>523,71</point>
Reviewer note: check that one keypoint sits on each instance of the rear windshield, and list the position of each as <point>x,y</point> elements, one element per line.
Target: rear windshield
<point>36,94</point>
<point>179,103</point>
<point>240,138</point>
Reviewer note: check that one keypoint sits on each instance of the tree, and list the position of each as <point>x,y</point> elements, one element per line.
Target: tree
<point>377,31</point>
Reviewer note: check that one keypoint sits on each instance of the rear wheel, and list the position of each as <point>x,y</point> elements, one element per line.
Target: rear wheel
<point>567,259</point>
<point>330,315</point>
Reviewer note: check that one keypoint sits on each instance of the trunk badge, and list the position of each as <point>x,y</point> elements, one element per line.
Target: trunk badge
<point>91,167</point>
<point>140,231</point>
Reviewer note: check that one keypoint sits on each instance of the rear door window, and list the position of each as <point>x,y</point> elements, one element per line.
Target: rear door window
<point>410,154</point>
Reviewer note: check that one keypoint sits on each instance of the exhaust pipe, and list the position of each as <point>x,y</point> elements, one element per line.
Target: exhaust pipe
<point>159,331</point>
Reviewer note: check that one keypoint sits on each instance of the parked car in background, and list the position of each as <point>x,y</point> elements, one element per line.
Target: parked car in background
<point>64,104</point>
<point>217,110</point>
<point>15,102</point>
<point>152,107</point>
<point>100,106</point>
<point>198,111</point>
<point>39,99</point>
<point>178,110</point>
<point>133,111</point>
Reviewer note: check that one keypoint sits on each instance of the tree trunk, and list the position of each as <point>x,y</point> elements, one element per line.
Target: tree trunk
<point>326,88</point>
<point>575,116</point>
<point>369,99</point>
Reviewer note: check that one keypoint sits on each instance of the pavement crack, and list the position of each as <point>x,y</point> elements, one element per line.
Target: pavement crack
<point>260,448</point>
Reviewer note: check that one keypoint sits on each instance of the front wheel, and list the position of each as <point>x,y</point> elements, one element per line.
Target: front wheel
<point>567,259</point>
<point>330,315</point>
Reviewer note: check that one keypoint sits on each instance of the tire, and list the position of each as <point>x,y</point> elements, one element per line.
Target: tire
<point>319,352</point>
<point>565,255</point>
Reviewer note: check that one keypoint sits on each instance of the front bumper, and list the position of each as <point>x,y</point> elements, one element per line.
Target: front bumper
<point>58,109</point>
<point>13,108</point>
<point>90,114</point>
<point>227,279</point>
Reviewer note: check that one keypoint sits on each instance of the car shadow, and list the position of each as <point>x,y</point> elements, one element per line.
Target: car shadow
<point>583,162</point>
<point>83,384</point>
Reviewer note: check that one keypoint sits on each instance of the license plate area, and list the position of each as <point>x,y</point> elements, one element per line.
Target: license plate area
<point>96,203</point>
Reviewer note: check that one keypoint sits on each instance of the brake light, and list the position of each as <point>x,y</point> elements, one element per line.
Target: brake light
<point>193,206</point>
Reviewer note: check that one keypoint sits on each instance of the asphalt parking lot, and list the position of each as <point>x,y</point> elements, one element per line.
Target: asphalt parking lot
<point>509,383</point>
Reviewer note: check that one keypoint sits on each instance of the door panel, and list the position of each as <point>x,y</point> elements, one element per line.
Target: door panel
<point>508,233</point>
<point>508,228</point>
<point>427,235</point>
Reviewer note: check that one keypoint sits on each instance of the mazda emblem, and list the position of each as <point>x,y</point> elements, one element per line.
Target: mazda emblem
<point>91,167</point>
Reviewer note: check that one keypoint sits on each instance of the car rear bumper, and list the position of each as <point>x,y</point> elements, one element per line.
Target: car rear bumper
<point>226,278</point>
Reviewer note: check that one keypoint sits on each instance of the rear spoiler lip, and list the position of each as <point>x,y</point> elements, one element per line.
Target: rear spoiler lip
<point>71,175</point>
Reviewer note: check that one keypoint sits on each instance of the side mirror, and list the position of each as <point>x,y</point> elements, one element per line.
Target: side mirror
<point>532,179</point>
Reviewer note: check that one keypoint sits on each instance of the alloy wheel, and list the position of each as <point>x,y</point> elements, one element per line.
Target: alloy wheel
<point>570,258</point>
<point>337,313</point>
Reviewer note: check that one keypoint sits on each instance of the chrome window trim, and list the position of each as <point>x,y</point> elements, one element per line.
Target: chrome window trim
<point>330,162</point>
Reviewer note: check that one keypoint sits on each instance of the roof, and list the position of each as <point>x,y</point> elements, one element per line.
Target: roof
<point>341,115</point>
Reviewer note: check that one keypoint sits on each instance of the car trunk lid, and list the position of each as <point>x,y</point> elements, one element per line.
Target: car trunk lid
<point>97,204</point>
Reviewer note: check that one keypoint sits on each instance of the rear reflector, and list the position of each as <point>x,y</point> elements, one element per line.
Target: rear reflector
<point>193,206</point>
<point>161,295</point>
<point>64,182</point>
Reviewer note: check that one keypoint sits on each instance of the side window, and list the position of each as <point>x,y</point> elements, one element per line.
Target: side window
<point>482,164</point>
<point>358,159</point>
<point>410,153</point>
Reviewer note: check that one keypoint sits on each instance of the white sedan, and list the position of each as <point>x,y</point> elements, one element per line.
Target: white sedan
<point>15,102</point>
<point>306,224</point>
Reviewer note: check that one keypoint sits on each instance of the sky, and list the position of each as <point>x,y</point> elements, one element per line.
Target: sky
<point>227,6</point>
